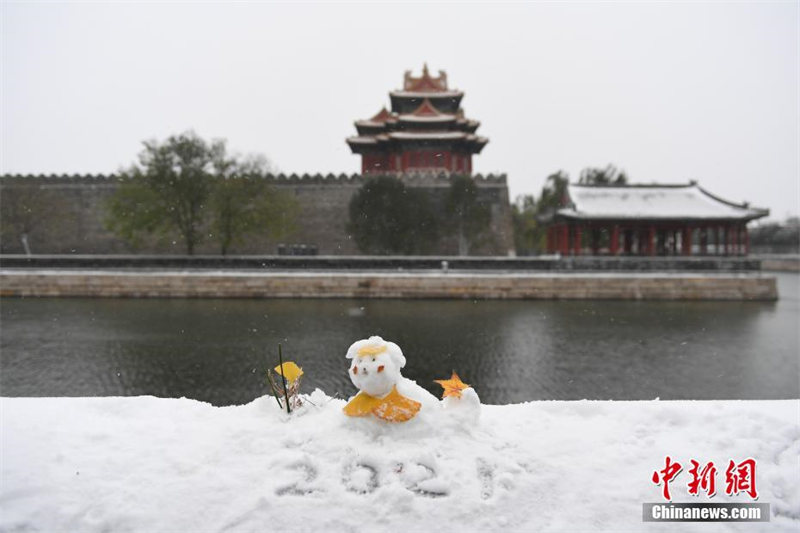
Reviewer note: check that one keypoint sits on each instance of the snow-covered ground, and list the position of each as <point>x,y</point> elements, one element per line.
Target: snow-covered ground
<point>148,464</point>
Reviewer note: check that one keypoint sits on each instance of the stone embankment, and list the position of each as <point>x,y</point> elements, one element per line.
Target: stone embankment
<point>383,284</point>
<point>780,263</point>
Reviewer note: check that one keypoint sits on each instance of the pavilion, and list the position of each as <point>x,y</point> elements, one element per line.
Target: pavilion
<point>425,131</point>
<point>649,220</point>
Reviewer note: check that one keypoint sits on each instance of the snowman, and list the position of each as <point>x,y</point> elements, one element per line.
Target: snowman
<point>383,391</point>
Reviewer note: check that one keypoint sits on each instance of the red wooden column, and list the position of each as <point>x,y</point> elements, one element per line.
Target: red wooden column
<point>716,240</point>
<point>686,241</point>
<point>735,240</point>
<point>563,240</point>
<point>651,241</point>
<point>614,245</point>
<point>576,243</point>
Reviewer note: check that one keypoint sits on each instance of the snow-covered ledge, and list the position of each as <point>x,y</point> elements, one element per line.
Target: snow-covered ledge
<point>150,464</point>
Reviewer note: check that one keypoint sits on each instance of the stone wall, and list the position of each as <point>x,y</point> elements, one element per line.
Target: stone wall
<point>228,284</point>
<point>65,215</point>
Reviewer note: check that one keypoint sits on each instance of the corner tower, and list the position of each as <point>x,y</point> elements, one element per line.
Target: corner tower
<point>425,130</point>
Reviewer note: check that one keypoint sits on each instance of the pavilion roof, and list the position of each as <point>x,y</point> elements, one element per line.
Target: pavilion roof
<point>378,120</point>
<point>424,110</point>
<point>436,135</point>
<point>421,94</point>
<point>382,116</point>
<point>426,82</point>
<point>427,112</point>
<point>475,142</point>
<point>652,202</point>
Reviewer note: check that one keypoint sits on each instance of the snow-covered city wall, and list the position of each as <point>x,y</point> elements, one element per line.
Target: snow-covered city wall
<point>150,464</point>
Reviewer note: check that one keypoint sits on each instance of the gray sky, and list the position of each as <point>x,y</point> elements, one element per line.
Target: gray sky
<point>667,91</point>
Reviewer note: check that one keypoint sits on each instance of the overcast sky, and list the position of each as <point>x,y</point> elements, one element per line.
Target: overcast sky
<point>667,91</point>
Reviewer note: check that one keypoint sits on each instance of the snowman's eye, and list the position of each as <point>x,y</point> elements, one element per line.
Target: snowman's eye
<point>373,359</point>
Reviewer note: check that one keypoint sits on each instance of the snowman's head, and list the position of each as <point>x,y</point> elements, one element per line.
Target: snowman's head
<point>376,365</point>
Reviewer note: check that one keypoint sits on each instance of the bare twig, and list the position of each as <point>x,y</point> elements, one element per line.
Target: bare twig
<point>283,378</point>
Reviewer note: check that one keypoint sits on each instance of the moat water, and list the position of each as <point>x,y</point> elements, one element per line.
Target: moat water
<point>510,351</point>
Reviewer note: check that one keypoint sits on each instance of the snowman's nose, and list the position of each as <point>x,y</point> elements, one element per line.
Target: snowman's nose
<point>380,368</point>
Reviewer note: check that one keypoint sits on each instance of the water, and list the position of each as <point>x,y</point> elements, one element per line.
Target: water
<point>217,350</point>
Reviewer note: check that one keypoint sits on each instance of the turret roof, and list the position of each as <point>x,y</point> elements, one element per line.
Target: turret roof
<point>685,201</point>
<point>433,119</point>
<point>425,83</point>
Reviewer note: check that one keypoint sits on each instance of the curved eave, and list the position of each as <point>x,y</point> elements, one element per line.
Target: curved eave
<point>361,140</point>
<point>424,136</point>
<point>480,142</point>
<point>468,124</point>
<point>677,203</point>
<point>444,118</point>
<point>426,94</point>
<point>452,97</point>
<point>366,129</point>
<point>368,124</point>
<point>360,144</point>
<point>643,217</point>
<point>382,141</point>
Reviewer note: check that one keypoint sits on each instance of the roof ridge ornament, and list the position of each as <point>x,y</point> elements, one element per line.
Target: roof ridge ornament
<point>426,82</point>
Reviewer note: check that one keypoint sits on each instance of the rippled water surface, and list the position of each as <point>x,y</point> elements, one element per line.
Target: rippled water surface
<point>217,350</point>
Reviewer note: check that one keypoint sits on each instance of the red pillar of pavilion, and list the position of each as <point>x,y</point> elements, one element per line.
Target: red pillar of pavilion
<point>651,241</point>
<point>564,240</point>
<point>576,243</point>
<point>614,246</point>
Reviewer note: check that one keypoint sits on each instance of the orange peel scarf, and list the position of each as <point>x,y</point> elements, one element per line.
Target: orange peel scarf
<point>394,407</point>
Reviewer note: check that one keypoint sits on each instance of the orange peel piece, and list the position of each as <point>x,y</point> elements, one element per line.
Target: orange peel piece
<point>369,350</point>
<point>393,408</point>
<point>291,371</point>
<point>397,408</point>
<point>362,405</point>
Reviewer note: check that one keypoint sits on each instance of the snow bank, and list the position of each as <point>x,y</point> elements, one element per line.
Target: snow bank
<point>149,464</point>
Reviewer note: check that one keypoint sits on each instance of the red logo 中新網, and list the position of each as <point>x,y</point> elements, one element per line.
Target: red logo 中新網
<point>739,478</point>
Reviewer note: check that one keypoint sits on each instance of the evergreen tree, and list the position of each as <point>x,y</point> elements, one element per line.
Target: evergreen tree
<point>467,217</point>
<point>386,217</point>
<point>603,176</point>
